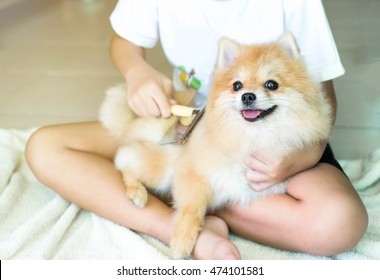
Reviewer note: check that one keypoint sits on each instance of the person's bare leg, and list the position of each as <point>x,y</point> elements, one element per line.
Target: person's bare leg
<point>75,160</point>
<point>322,215</point>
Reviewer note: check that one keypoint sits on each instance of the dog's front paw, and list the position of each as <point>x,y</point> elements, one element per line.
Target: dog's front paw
<point>138,194</point>
<point>182,246</point>
<point>185,238</point>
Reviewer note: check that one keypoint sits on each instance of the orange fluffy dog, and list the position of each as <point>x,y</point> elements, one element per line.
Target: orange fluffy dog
<point>262,99</point>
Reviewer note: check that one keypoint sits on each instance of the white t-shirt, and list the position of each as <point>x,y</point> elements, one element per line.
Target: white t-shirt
<point>189,30</point>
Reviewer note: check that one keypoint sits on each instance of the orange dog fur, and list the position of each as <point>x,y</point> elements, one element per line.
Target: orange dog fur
<point>262,99</point>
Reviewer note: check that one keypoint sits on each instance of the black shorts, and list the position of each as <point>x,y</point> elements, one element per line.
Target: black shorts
<point>328,157</point>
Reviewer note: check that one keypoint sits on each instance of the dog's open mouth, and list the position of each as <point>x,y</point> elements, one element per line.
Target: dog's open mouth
<point>252,115</point>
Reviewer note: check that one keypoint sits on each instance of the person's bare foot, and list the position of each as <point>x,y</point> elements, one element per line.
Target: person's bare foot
<point>213,243</point>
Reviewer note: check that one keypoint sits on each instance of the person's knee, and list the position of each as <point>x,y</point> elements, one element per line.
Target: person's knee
<point>38,150</point>
<point>337,228</point>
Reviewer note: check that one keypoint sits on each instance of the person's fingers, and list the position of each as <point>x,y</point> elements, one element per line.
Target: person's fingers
<point>137,107</point>
<point>152,101</point>
<point>256,164</point>
<point>162,106</point>
<point>257,180</point>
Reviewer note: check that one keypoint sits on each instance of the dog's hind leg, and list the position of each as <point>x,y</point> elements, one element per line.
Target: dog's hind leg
<point>144,164</point>
<point>136,192</point>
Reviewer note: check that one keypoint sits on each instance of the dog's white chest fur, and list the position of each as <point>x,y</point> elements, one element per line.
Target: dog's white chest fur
<point>229,185</point>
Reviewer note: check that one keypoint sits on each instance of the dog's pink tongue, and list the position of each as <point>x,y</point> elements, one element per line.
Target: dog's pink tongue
<point>251,114</point>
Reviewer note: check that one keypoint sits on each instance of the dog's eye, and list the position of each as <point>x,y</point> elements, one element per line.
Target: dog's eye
<point>271,85</point>
<point>237,86</point>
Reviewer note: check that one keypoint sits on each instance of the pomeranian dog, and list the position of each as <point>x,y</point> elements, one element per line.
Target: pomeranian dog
<point>262,99</point>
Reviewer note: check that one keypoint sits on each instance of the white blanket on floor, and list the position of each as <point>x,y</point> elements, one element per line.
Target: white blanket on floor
<point>36,223</point>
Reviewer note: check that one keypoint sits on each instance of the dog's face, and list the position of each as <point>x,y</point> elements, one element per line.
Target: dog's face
<point>261,84</point>
<point>252,103</point>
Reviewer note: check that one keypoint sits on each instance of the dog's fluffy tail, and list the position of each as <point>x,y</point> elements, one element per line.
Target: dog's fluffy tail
<point>126,126</point>
<point>114,113</point>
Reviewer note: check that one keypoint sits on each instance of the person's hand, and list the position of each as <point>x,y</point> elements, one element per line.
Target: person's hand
<point>149,92</point>
<point>263,171</point>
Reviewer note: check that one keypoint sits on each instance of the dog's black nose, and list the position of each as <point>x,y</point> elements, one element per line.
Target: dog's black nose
<point>248,98</point>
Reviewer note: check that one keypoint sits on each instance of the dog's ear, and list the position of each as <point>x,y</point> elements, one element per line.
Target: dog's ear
<point>228,50</point>
<point>288,42</point>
